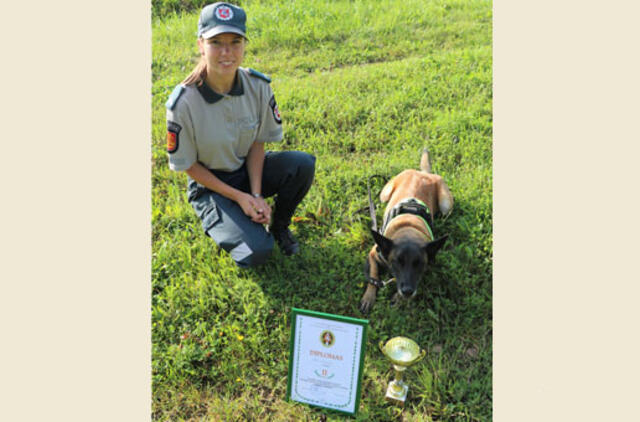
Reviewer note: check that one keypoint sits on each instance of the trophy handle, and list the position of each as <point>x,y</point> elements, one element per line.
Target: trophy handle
<point>422,354</point>
<point>381,346</point>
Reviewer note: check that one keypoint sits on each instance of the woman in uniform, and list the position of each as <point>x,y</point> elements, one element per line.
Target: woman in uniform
<point>218,120</point>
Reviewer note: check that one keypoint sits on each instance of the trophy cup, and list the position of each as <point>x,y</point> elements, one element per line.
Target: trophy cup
<point>402,352</point>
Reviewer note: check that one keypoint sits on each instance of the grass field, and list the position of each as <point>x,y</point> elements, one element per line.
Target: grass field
<point>362,85</point>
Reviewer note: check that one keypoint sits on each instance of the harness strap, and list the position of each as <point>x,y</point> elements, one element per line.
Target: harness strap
<point>410,206</point>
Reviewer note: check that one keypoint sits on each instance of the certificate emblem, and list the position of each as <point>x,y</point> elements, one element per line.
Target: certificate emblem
<point>327,338</point>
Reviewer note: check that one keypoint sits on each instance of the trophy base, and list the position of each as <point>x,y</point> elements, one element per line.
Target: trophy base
<point>396,395</point>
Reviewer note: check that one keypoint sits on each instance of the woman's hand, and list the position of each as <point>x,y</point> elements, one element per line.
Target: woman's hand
<point>264,210</point>
<point>255,208</point>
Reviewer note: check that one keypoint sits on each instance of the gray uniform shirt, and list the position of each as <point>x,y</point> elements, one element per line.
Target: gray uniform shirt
<point>218,130</point>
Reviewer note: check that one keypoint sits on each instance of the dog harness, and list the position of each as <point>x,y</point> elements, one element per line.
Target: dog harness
<point>410,206</point>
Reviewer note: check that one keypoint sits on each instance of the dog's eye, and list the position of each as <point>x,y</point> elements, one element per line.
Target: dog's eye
<point>415,263</point>
<point>401,260</point>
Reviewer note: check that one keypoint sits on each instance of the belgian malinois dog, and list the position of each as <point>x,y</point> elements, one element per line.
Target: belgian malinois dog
<point>406,244</point>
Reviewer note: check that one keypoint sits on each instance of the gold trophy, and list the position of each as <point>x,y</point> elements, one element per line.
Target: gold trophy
<point>402,352</point>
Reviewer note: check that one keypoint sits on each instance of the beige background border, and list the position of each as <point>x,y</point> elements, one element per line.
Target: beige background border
<point>76,260</point>
<point>74,307</point>
<point>566,284</point>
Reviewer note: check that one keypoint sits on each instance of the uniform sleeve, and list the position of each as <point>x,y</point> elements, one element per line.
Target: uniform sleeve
<point>270,121</point>
<point>181,146</point>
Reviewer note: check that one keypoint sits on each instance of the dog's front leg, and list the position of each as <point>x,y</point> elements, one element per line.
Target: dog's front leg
<point>369,297</point>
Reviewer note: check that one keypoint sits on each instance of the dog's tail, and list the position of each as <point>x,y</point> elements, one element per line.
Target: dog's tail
<point>425,162</point>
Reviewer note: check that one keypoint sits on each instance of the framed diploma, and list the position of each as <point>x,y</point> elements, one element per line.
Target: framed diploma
<point>326,359</point>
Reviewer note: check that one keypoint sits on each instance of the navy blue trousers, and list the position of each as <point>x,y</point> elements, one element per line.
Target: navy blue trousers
<point>286,174</point>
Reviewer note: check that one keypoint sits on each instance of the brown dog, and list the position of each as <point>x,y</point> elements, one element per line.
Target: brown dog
<point>407,244</point>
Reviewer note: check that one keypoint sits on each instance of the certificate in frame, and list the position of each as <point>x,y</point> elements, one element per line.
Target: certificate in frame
<point>326,360</point>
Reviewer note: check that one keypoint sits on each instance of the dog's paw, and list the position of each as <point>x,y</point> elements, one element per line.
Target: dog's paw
<point>367,303</point>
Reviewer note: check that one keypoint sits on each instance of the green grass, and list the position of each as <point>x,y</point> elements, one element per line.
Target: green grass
<point>363,85</point>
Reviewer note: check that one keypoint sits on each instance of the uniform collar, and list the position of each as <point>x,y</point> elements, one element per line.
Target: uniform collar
<point>211,96</point>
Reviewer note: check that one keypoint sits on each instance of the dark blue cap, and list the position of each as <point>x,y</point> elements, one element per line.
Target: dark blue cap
<point>218,18</point>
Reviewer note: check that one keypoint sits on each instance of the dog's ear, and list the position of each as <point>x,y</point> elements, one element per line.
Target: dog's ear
<point>432,248</point>
<point>383,243</point>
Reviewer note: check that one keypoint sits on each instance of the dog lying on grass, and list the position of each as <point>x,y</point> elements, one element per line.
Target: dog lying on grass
<point>406,243</point>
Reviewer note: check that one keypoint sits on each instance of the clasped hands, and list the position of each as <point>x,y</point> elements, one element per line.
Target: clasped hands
<point>256,208</point>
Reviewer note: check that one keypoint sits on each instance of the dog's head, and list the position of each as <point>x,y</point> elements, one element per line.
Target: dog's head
<point>408,260</point>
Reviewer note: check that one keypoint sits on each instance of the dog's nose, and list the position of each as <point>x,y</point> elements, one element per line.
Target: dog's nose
<point>406,291</point>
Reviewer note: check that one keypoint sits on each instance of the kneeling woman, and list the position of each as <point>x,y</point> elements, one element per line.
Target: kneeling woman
<point>218,120</point>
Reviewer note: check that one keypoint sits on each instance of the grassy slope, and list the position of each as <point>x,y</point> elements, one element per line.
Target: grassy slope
<point>363,85</point>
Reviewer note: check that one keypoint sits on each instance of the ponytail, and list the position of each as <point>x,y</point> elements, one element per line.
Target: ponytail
<point>198,74</point>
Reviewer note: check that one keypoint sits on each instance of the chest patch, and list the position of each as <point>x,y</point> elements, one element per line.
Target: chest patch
<point>173,136</point>
<point>275,110</point>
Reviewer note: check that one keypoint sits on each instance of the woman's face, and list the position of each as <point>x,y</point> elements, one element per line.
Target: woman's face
<point>223,54</point>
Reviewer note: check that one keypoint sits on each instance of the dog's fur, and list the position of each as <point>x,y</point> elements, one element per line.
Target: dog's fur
<point>406,244</point>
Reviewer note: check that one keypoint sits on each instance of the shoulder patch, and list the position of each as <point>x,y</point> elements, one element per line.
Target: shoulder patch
<point>275,110</point>
<point>173,98</point>
<point>173,136</point>
<point>260,75</point>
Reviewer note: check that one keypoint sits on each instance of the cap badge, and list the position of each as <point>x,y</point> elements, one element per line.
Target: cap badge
<point>224,13</point>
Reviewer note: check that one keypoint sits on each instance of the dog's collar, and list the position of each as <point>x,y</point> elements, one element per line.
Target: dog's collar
<point>410,206</point>
<point>379,283</point>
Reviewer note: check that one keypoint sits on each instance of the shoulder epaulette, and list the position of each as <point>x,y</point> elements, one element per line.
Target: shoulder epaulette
<point>173,98</point>
<point>260,75</point>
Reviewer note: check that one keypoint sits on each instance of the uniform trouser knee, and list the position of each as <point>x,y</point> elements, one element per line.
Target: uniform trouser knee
<point>259,255</point>
<point>306,167</point>
<point>247,243</point>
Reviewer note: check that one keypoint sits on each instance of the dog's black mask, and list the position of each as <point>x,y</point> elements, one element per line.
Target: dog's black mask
<point>408,260</point>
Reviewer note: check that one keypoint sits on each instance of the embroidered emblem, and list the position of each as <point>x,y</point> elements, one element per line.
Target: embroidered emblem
<point>224,13</point>
<point>327,338</point>
<point>275,110</point>
<point>173,138</point>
